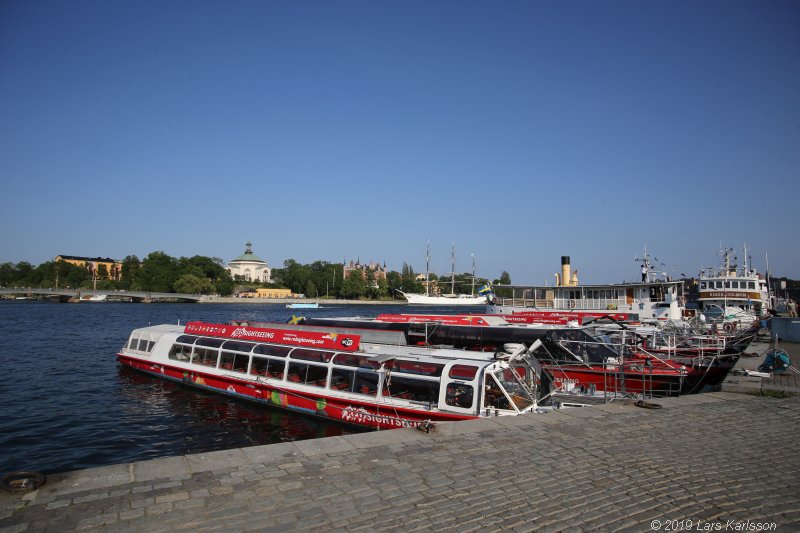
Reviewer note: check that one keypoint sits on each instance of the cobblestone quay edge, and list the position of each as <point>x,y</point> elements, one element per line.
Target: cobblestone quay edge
<point>714,462</point>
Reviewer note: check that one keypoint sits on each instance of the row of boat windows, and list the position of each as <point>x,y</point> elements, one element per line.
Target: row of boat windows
<point>141,345</point>
<point>348,372</point>
<point>728,284</point>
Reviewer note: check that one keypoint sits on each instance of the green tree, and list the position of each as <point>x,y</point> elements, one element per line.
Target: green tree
<point>393,283</point>
<point>7,275</point>
<point>158,273</point>
<point>189,284</point>
<point>130,270</point>
<point>353,286</point>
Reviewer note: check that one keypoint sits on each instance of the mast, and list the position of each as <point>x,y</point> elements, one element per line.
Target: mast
<point>428,269</point>
<point>453,269</point>
<point>473,274</point>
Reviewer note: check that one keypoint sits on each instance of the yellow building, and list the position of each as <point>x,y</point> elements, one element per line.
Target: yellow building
<point>92,264</point>
<point>267,293</point>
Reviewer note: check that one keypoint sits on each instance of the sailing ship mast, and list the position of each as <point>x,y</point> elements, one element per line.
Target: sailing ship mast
<point>453,270</point>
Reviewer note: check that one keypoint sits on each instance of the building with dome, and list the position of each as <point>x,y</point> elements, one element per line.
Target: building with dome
<point>250,267</point>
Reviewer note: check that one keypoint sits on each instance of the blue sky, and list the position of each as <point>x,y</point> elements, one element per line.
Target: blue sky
<point>521,131</point>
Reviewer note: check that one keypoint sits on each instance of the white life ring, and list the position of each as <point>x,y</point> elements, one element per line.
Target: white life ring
<point>571,304</point>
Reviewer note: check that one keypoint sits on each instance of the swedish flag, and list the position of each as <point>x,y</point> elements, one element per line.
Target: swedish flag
<point>486,289</point>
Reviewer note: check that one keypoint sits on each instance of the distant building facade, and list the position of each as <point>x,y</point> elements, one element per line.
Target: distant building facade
<point>92,264</point>
<point>378,270</point>
<point>267,293</point>
<point>250,267</point>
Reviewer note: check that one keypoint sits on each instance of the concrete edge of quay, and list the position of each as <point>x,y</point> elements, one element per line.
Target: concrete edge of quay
<point>177,467</point>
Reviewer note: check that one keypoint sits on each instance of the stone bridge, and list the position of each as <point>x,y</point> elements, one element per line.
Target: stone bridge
<point>78,295</point>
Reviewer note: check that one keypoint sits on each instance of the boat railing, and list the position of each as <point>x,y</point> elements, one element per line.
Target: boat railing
<point>567,304</point>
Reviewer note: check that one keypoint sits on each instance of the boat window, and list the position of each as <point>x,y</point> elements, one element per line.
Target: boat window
<point>132,343</point>
<point>464,372</point>
<point>265,366</point>
<point>751,285</point>
<point>349,359</point>
<point>275,351</point>
<point>205,356</point>
<point>238,346</point>
<point>357,381</point>
<point>142,347</point>
<point>509,380</point>
<point>459,395</point>
<point>308,374</point>
<point>180,352</point>
<point>186,339</point>
<point>418,390</point>
<point>236,362</point>
<point>213,343</point>
<point>493,395</point>
<point>305,354</point>
<point>415,367</point>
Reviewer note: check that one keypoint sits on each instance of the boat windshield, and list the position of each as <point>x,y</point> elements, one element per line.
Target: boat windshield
<point>583,346</point>
<point>519,394</point>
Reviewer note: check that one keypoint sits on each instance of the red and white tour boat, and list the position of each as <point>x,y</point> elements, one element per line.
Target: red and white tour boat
<point>332,375</point>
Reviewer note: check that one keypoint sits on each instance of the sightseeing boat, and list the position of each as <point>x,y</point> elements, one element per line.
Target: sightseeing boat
<point>332,375</point>
<point>571,356</point>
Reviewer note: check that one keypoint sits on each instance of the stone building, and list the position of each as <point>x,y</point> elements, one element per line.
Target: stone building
<point>92,264</point>
<point>378,270</point>
<point>250,267</point>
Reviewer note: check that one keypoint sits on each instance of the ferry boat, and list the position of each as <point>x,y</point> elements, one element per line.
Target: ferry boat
<point>570,355</point>
<point>651,299</point>
<point>331,375</point>
<point>733,293</point>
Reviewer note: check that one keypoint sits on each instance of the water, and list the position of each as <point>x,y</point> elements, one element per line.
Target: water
<point>68,405</point>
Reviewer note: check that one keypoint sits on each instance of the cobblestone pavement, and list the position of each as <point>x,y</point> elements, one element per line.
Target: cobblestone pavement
<point>714,461</point>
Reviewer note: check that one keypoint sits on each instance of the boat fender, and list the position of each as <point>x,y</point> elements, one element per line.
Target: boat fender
<point>22,481</point>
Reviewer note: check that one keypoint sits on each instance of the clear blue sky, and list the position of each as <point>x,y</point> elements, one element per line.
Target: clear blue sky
<point>521,131</point>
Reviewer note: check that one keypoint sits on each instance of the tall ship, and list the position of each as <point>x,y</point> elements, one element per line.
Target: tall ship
<point>651,299</point>
<point>446,299</point>
<point>734,291</point>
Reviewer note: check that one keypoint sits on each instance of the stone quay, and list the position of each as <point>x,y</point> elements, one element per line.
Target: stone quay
<point>707,462</point>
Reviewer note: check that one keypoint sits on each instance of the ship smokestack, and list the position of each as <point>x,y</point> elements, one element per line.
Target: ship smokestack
<point>565,277</point>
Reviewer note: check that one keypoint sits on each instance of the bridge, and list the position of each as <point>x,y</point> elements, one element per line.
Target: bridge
<point>79,295</point>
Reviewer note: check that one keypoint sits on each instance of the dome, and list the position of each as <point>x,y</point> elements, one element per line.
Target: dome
<point>249,256</point>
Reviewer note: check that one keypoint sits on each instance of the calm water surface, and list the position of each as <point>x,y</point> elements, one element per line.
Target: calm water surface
<point>67,404</point>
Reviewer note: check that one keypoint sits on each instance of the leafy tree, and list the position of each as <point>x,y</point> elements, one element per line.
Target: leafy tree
<point>383,287</point>
<point>189,284</point>
<point>130,270</point>
<point>353,286</point>
<point>7,275</point>
<point>393,282</point>
<point>158,273</point>
<point>311,289</point>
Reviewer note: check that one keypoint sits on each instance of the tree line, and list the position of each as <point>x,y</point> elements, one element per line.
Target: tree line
<point>159,272</point>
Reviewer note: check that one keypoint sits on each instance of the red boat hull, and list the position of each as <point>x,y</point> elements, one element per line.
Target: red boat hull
<point>272,394</point>
<point>588,378</point>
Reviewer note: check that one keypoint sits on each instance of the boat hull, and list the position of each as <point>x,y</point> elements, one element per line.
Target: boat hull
<point>567,378</point>
<point>271,393</point>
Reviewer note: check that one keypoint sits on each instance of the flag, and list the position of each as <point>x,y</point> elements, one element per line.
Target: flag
<point>485,290</point>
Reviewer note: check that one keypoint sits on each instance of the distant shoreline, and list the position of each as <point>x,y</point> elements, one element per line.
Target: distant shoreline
<point>286,301</point>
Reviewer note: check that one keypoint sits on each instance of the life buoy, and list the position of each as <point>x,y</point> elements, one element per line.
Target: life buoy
<point>571,304</point>
<point>728,327</point>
